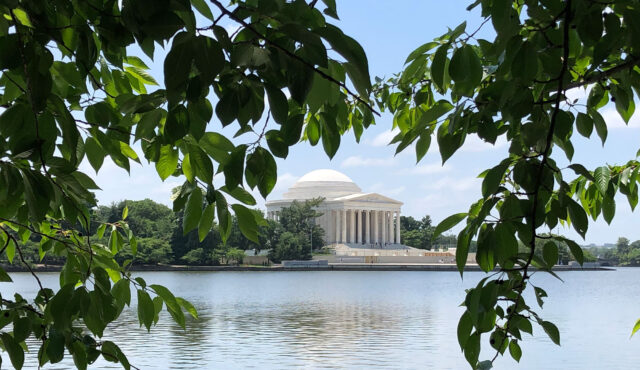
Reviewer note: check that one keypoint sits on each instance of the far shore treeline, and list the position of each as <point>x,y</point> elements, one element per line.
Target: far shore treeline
<point>160,239</point>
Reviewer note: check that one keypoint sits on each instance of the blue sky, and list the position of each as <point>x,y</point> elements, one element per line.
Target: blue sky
<point>389,31</point>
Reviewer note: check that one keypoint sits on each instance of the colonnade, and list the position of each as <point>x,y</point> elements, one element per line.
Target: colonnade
<point>361,226</point>
<point>357,226</point>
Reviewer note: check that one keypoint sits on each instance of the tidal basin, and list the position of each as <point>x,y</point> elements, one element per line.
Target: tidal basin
<point>363,319</point>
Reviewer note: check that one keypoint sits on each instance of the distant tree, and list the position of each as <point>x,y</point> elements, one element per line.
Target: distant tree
<point>408,223</point>
<point>299,219</point>
<point>235,255</point>
<point>622,246</point>
<point>291,246</point>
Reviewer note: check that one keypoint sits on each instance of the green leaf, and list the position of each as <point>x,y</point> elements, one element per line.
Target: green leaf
<point>472,349</point>
<point>575,249</point>
<point>206,221</point>
<point>172,304</point>
<point>246,222</point>
<point>55,346</point>
<point>21,328</point>
<point>515,350</point>
<point>188,307</point>
<point>552,331</point>
<point>578,217</point>
<point>550,253</point>
<point>462,250</point>
<point>357,66</point>
<point>224,217</point>
<point>277,145</point>
<point>448,223</point>
<point>216,145</point>
<point>448,143</point>
<point>95,153</point>
<point>202,7</point>
<point>146,310</point>
<point>208,58</point>
<point>602,176</point>
<point>493,179</point>
<point>608,208</point>
<point>435,112</point>
<point>240,194</point>
<point>636,327</point>
<point>177,65</point>
<point>525,62</point>
<point>101,229</point>
<point>464,329</point>
<point>234,167</point>
<point>167,162</point>
<point>142,75</point>
<point>601,125</point>
<point>125,212</point>
<point>420,51</point>
<point>121,291</point>
<point>4,277</point>
<point>16,353</point>
<point>582,171</point>
<point>278,104</point>
<point>192,211</point>
<point>422,146</point>
<point>465,70</point>
<point>439,68</point>
<point>584,124</point>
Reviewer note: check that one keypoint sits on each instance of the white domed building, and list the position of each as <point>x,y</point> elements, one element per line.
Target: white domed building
<point>349,216</point>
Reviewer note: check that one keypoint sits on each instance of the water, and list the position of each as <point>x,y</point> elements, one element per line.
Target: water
<point>366,319</point>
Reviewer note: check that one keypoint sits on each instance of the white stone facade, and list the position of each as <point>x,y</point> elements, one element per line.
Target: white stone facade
<point>349,216</point>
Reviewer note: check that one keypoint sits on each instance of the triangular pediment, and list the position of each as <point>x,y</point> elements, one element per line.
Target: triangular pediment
<point>368,197</point>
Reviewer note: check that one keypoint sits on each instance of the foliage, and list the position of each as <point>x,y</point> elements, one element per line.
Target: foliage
<point>291,246</point>
<point>516,85</point>
<point>70,92</point>
<point>295,234</point>
<point>236,255</point>
<point>419,234</point>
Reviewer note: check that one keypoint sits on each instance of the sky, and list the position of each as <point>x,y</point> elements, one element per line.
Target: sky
<point>389,31</point>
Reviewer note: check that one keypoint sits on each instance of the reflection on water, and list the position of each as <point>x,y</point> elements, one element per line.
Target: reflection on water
<point>360,320</point>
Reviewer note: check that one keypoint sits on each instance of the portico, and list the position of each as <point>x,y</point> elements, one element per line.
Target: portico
<point>349,216</point>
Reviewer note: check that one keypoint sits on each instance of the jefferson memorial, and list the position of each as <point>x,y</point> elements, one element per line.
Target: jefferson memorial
<point>349,216</point>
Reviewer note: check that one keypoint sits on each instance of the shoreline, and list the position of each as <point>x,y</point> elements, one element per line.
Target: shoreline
<point>280,268</point>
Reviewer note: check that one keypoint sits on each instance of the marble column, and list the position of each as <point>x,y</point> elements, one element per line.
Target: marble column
<point>359,216</point>
<point>352,226</point>
<point>343,216</point>
<point>337,224</point>
<point>375,227</point>
<point>398,241</point>
<point>391,235</point>
<point>367,227</point>
<point>384,226</point>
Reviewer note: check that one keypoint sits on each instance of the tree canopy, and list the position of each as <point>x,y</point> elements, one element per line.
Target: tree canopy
<point>71,91</point>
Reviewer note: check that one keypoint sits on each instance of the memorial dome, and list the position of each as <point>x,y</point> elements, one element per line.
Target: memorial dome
<point>329,184</point>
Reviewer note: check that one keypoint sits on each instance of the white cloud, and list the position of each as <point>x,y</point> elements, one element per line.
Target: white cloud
<point>454,184</point>
<point>384,190</point>
<point>359,161</point>
<point>430,169</point>
<point>384,138</point>
<point>284,182</point>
